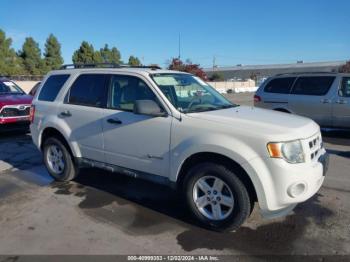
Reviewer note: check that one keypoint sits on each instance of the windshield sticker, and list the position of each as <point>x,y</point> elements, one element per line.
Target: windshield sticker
<point>165,80</point>
<point>200,81</point>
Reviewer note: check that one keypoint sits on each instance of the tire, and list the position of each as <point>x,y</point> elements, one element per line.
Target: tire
<point>64,173</point>
<point>231,217</point>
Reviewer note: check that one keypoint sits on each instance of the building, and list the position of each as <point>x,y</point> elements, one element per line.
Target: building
<point>262,71</point>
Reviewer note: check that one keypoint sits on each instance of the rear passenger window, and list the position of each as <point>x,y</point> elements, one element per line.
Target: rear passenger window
<point>89,90</point>
<point>280,85</point>
<point>345,87</point>
<point>52,87</point>
<point>313,86</point>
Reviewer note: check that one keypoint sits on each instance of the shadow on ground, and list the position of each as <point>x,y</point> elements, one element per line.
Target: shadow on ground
<point>142,208</point>
<point>336,136</point>
<point>17,151</point>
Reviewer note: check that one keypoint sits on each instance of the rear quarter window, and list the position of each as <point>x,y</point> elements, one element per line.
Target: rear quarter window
<point>313,85</point>
<point>52,87</point>
<point>280,85</point>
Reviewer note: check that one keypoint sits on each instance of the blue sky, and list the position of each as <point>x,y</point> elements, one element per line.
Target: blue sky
<point>236,32</point>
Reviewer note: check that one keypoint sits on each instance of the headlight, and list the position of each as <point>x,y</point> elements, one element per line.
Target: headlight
<point>291,151</point>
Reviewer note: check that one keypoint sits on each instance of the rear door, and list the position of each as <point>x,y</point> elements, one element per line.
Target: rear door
<point>275,94</point>
<point>82,112</point>
<point>341,104</point>
<point>312,97</point>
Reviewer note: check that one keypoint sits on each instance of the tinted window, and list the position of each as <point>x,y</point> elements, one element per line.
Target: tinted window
<point>89,90</point>
<point>314,86</point>
<point>345,87</point>
<point>52,87</point>
<point>124,90</point>
<point>280,85</point>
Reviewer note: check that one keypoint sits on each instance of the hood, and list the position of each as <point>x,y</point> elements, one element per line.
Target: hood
<point>15,99</point>
<point>268,123</point>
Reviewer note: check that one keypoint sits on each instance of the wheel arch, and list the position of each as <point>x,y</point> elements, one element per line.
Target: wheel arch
<point>54,132</point>
<point>217,159</point>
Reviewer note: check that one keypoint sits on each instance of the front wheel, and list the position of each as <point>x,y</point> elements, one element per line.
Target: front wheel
<point>58,160</point>
<point>216,197</point>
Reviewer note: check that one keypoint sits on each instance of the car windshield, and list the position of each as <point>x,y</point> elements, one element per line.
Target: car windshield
<point>189,93</point>
<point>8,87</point>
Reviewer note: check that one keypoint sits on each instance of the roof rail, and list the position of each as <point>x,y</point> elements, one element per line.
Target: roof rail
<point>300,73</point>
<point>105,65</point>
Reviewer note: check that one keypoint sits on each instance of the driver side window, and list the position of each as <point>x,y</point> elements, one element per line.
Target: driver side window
<point>125,90</point>
<point>345,87</point>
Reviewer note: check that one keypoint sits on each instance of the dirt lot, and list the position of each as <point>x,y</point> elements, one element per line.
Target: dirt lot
<point>103,213</point>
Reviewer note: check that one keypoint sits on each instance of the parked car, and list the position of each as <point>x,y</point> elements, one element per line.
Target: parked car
<point>173,128</point>
<point>34,89</point>
<point>14,106</point>
<point>323,97</point>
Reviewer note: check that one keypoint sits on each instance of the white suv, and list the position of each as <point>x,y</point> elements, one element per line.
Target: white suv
<point>172,128</point>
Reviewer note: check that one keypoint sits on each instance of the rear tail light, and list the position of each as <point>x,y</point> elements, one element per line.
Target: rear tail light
<point>257,98</point>
<point>32,113</point>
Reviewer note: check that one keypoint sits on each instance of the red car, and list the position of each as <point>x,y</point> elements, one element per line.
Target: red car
<point>14,106</point>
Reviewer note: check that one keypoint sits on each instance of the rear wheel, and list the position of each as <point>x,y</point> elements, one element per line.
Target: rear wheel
<point>216,197</point>
<point>58,160</point>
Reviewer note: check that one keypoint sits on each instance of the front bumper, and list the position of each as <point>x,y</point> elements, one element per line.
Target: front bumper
<point>324,160</point>
<point>281,186</point>
<point>15,119</point>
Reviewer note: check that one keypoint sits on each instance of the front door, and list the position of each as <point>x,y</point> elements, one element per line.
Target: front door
<point>137,142</point>
<point>341,105</point>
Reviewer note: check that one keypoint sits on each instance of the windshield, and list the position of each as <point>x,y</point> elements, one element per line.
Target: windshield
<point>8,87</point>
<point>189,93</point>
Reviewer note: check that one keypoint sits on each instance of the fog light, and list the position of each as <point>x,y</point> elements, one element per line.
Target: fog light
<point>296,190</point>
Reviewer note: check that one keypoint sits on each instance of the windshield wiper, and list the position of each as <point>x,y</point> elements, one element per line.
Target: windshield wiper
<point>227,106</point>
<point>202,109</point>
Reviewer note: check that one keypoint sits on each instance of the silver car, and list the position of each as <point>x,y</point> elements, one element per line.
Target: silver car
<point>323,97</point>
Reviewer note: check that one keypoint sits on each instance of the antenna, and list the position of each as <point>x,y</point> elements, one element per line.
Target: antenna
<point>179,46</point>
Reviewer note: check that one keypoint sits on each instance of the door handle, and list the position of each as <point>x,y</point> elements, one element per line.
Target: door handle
<point>326,101</point>
<point>66,113</point>
<point>341,101</point>
<point>114,121</point>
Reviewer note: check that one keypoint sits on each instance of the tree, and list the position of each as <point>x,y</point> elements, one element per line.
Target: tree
<point>345,68</point>
<point>195,69</point>
<point>10,64</point>
<point>110,55</point>
<point>31,55</point>
<point>134,61</point>
<point>85,54</point>
<point>52,56</point>
<point>97,57</point>
<point>217,76</point>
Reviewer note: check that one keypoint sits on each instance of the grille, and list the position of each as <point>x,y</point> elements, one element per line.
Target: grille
<point>14,111</point>
<point>315,145</point>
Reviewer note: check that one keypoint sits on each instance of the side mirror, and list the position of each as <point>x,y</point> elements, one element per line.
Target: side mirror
<point>148,108</point>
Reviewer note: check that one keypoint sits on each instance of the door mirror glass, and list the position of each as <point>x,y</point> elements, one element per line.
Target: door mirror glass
<point>148,107</point>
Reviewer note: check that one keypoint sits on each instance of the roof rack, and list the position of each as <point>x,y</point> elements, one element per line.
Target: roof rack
<point>300,73</point>
<point>105,65</point>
